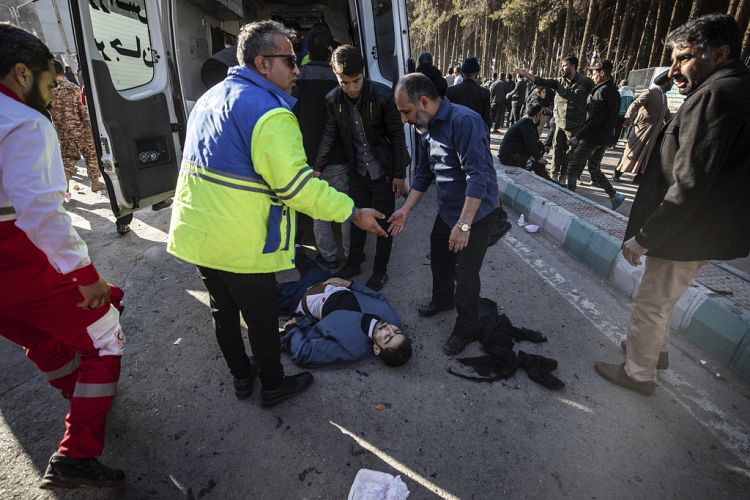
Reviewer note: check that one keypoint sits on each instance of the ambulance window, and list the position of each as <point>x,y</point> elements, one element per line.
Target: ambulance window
<point>123,40</point>
<point>382,11</point>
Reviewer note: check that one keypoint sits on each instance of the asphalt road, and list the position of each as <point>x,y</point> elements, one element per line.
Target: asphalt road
<point>178,431</point>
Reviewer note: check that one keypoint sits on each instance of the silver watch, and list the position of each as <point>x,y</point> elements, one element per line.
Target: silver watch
<point>464,227</point>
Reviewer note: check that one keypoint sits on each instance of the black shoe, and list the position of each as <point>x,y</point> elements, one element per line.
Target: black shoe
<point>349,271</point>
<point>616,176</point>
<point>66,472</point>
<point>663,362</point>
<point>432,308</point>
<point>293,385</point>
<point>326,264</point>
<point>123,228</point>
<point>243,387</point>
<point>455,345</point>
<point>377,280</point>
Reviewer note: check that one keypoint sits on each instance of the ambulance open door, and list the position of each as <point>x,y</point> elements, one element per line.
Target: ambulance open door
<point>126,67</point>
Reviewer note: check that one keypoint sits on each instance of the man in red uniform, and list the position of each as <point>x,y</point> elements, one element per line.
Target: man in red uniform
<point>52,300</point>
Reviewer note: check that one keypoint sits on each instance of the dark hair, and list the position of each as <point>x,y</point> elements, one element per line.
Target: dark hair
<point>397,356</point>
<point>347,60</point>
<point>458,69</point>
<point>533,109</point>
<point>416,85</point>
<point>709,32</point>
<point>59,69</point>
<point>623,83</point>
<point>256,39</point>
<point>494,76</point>
<point>572,60</point>
<point>293,25</point>
<point>19,46</point>
<point>319,46</point>
<point>662,79</point>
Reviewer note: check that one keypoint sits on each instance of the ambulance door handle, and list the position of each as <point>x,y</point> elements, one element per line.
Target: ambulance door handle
<point>374,52</point>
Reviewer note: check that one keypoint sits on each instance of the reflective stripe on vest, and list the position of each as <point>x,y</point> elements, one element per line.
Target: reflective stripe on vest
<point>95,390</point>
<point>66,369</point>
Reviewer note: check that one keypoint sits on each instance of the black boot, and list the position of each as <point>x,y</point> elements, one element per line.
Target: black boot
<point>66,472</point>
<point>292,385</point>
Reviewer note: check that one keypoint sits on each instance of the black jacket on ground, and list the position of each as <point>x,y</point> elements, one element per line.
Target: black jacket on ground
<point>693,202</point>
<point>316,80</point>
<point>382,124</point>
<point>522,138</point>
<point>472,95</point>
<point>603,109</point>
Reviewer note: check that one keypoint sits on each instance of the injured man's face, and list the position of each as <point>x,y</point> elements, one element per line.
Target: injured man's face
<point>390,344</point>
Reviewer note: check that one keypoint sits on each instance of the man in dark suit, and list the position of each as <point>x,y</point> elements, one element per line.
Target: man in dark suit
<point>469,93</point>
<point>517,98</point>
<point>692,204</point>
<point>497,103</point>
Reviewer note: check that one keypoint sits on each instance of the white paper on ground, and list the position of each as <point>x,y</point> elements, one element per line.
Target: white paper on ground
<point>374,485</point>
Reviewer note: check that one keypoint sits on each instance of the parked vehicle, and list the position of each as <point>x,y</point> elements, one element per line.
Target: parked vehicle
<point>141,62</point>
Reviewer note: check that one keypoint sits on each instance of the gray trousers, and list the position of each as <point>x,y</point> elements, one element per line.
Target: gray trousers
<point>338,178</point>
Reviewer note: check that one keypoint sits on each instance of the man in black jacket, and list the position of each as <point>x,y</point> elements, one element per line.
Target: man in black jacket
<point>571,98</point>
<point>362,116</point>
<point>692,205</point>
<point>517,98</point>
<point>592,139</point>
<point>521,146</point>
<point>497,103</point>
<point>469,93</point>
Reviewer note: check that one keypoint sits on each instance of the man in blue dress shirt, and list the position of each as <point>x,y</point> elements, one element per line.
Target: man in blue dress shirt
<point>455,155</point>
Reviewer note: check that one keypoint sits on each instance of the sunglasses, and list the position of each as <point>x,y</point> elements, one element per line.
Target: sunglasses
<point>289,59</point>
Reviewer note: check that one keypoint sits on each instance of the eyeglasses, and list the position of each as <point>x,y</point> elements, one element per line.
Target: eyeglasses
<point>289,59</point>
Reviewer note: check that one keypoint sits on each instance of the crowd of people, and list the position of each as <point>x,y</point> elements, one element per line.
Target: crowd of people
<point>329,142</point>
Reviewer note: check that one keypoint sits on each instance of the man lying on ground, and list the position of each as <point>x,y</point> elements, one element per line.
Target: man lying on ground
<point>336,320</point>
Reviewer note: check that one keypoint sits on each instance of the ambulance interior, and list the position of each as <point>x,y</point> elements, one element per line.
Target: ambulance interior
<point>201,28</point>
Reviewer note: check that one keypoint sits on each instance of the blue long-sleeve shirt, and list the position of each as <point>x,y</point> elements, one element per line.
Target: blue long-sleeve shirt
<point>455,155</point>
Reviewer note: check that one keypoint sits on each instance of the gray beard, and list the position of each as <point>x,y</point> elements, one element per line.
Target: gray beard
<point>423,123</point>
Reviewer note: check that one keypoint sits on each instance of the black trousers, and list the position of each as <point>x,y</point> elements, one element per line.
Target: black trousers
<point>560,155</point>
<point>255,297</point>
<point>464,267</point>
<point>377,194</point>
<point>516,111</point>
<point>589,154</point>
<point>497,112</point>
<point>519,160</point>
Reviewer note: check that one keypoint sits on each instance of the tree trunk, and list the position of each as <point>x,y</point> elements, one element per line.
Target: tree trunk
<point>695,9</point>
<point>657,41</point>
<point>485,43</point>
<point>643,45</point>
<point>616,24</point>
<point>746,45</point>
<point>535,43</point>
<point>568,28</point>
<point>730,9</point>
<point>454,47</point>
<point>665,55</point>
<point>586,35</point>
<point>631,48</point>
<point>740,13</point>
<point>627,15</point>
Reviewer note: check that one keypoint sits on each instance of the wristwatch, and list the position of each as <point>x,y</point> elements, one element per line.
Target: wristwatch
<point>464,227</point>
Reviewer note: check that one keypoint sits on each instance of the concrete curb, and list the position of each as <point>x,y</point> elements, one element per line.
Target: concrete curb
<point>710,321</point>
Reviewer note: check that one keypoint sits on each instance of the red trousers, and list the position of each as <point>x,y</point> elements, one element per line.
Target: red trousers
<point>78,349</point>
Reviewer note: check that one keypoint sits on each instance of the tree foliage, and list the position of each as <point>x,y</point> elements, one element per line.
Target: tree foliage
<point>504,34</point>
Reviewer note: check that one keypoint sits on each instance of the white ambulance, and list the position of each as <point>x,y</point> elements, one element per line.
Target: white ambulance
<point>141,62</point>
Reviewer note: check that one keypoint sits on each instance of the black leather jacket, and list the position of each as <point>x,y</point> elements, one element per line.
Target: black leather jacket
<point>382,124</point>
